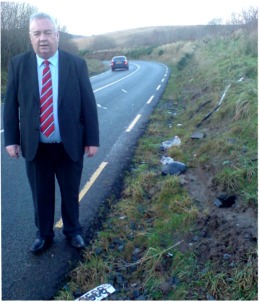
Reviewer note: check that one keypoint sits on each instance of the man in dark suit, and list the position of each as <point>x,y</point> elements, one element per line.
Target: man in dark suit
<point>50,113</point>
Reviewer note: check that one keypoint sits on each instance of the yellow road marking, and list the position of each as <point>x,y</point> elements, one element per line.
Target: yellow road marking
<point>85,189</point>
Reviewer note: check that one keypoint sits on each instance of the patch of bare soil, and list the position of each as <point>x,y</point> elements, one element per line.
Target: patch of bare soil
<point>225,235</point>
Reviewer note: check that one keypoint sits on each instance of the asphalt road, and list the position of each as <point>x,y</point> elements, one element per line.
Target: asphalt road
<point>125,100</point>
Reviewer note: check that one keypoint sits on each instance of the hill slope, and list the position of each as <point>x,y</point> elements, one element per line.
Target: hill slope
<point>150,36</point>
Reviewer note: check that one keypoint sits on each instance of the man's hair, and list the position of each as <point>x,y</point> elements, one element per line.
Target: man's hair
<point>40,15</point>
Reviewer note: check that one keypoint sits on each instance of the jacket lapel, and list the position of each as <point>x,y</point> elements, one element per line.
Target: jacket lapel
<point>64,68</point>
<point>31,74</point>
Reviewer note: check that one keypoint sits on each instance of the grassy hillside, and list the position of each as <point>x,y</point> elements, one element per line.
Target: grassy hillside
<point>151,36</point>
<point>165,239</point>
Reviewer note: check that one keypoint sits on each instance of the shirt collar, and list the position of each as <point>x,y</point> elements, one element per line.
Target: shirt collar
<point>53,60</point>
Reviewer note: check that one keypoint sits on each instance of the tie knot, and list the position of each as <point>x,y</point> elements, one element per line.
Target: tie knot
<point>46,62</point>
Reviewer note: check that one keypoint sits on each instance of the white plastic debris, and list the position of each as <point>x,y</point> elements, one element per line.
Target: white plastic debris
<point>223,95</point>
<point>98,293</point>
<point>175,141</point>
<point>165,160</point>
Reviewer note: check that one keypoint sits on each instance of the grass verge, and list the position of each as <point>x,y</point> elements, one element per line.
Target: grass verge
<point>145,246</point>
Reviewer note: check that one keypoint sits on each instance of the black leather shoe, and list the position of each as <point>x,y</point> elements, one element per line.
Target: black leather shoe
<point>77,241</point>
<point>40,245</point>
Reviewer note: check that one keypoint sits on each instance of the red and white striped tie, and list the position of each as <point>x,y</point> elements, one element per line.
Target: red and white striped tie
<point>46,102</point>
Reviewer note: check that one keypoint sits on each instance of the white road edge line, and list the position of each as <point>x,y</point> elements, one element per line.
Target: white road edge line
<point>151,98</point>
<point>133,123</point>
<point>98,89</point>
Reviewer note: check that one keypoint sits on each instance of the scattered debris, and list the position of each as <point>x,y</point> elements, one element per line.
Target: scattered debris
<point>207,116</point>
<point>98,293</point>
<point>165,160</point>
<point>224,201</point>
<point>202,106</point>
<point>216,108</point>
<point>174,168</point>
<point>175,141</point>
<point>197,135</point>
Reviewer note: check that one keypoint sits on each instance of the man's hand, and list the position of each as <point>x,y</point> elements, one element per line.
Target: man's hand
<point>13,151</point>
<point>91,150</point>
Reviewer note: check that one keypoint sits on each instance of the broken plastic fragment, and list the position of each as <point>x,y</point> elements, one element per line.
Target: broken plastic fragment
<point>175,141</point>
<point>174,168</point>
<point>98,293</point>
<point>165,160</point>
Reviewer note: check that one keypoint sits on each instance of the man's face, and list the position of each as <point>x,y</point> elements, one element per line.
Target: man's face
<point>44,38</point>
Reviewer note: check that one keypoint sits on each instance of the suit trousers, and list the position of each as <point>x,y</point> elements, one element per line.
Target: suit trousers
<point>52,162</point>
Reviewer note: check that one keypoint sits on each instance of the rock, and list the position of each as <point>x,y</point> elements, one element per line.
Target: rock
<point>175,281</point>
<point>210,298</point>
<point>113,297</point>
<point>136,293</point>
<point>121,248</point>
<point>117,241</point>
<point>136,251</point>
<point>165,287</point>
<point>204,271</point>
<point>77,293</point>
<point>140,298</point>
<point>133,226</point>
<point>98,251</point>
<point>244,149</point>
<point>120,279</point>
<point>197,135</point>
<point>135,258</point>
<point>232,264</point>
<point>112,277</point>
<point>195,238</point>
<point>226,257</point>
<point>174,168</point>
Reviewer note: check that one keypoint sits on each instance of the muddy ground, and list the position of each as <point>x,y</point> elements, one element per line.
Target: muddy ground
<point>226,234</point>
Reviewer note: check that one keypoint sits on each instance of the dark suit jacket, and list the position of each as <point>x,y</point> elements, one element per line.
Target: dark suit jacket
<point>77,110</point>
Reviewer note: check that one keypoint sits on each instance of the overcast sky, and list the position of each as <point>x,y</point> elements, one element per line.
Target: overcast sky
<point>92,17</point>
